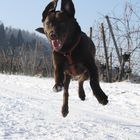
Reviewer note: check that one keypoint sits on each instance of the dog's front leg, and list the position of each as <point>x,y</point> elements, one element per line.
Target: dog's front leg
<point>59,77</point>
<point>58,64</point>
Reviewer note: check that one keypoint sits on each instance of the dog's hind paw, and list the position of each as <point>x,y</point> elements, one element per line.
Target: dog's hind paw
<point>65,110</point>
<point>103,101</point>
<point>57,88</point>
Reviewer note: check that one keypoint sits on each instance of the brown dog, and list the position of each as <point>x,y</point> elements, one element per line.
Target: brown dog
<point>73,52</point>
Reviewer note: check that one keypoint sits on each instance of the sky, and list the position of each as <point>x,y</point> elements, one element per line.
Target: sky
<point>27,14</point>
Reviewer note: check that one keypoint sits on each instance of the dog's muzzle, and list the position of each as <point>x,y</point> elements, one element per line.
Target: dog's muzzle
<point>55,42</point>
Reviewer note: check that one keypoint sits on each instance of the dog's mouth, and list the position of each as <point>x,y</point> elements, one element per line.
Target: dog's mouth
<point>56,44</point>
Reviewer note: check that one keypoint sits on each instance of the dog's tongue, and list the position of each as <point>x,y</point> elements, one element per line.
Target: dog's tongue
<point>56,45</point>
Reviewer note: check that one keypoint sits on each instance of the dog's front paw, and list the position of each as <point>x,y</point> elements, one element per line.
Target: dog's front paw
<point>57,88</point>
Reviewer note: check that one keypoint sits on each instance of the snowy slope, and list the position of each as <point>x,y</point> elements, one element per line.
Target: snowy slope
<point>30,110</point>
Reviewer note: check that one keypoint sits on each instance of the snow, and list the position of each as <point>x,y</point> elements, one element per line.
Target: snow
<point>30,110</point>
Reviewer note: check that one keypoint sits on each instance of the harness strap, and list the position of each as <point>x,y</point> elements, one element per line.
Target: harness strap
<point>72,67</point>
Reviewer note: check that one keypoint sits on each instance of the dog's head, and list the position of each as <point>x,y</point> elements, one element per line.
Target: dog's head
<point>59,26</point>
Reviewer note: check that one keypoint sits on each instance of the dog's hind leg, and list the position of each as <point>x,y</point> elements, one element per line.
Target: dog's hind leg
<point>65,108</point>
<point>98,92</point>
<point>81,91</point>
<point>94,83</point>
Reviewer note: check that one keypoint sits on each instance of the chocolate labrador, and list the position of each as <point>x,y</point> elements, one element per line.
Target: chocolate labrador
<point>73,52</point>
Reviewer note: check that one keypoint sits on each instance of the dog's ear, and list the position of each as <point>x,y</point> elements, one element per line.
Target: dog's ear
<point>40,30</point>
<point>50,8</point>
<point>68,7</point>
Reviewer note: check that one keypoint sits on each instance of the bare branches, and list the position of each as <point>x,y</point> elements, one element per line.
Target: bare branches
<point>126,30</point>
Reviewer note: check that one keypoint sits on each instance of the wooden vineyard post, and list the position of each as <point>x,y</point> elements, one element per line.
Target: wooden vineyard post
<point>121,72</point>
<point>90,32</point>
<point>111,66</point>
<point>106,54</point>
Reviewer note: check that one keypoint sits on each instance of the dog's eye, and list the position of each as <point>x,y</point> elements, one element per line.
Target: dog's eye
<point>47,23</point>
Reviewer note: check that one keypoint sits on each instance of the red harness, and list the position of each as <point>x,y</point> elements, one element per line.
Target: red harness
<point>68,54</point>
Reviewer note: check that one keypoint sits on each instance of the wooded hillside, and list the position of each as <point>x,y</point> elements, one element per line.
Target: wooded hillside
<point>23,52</point>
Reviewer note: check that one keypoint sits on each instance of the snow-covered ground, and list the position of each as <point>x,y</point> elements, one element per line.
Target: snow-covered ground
<point>30,110</point>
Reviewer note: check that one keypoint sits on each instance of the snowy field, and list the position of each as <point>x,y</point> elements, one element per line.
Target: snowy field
<point>30,110</point>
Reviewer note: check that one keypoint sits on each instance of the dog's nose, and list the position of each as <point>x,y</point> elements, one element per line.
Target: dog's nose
<point>52,35</point>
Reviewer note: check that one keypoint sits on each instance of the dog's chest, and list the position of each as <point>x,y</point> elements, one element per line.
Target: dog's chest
<point>75,68</point>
